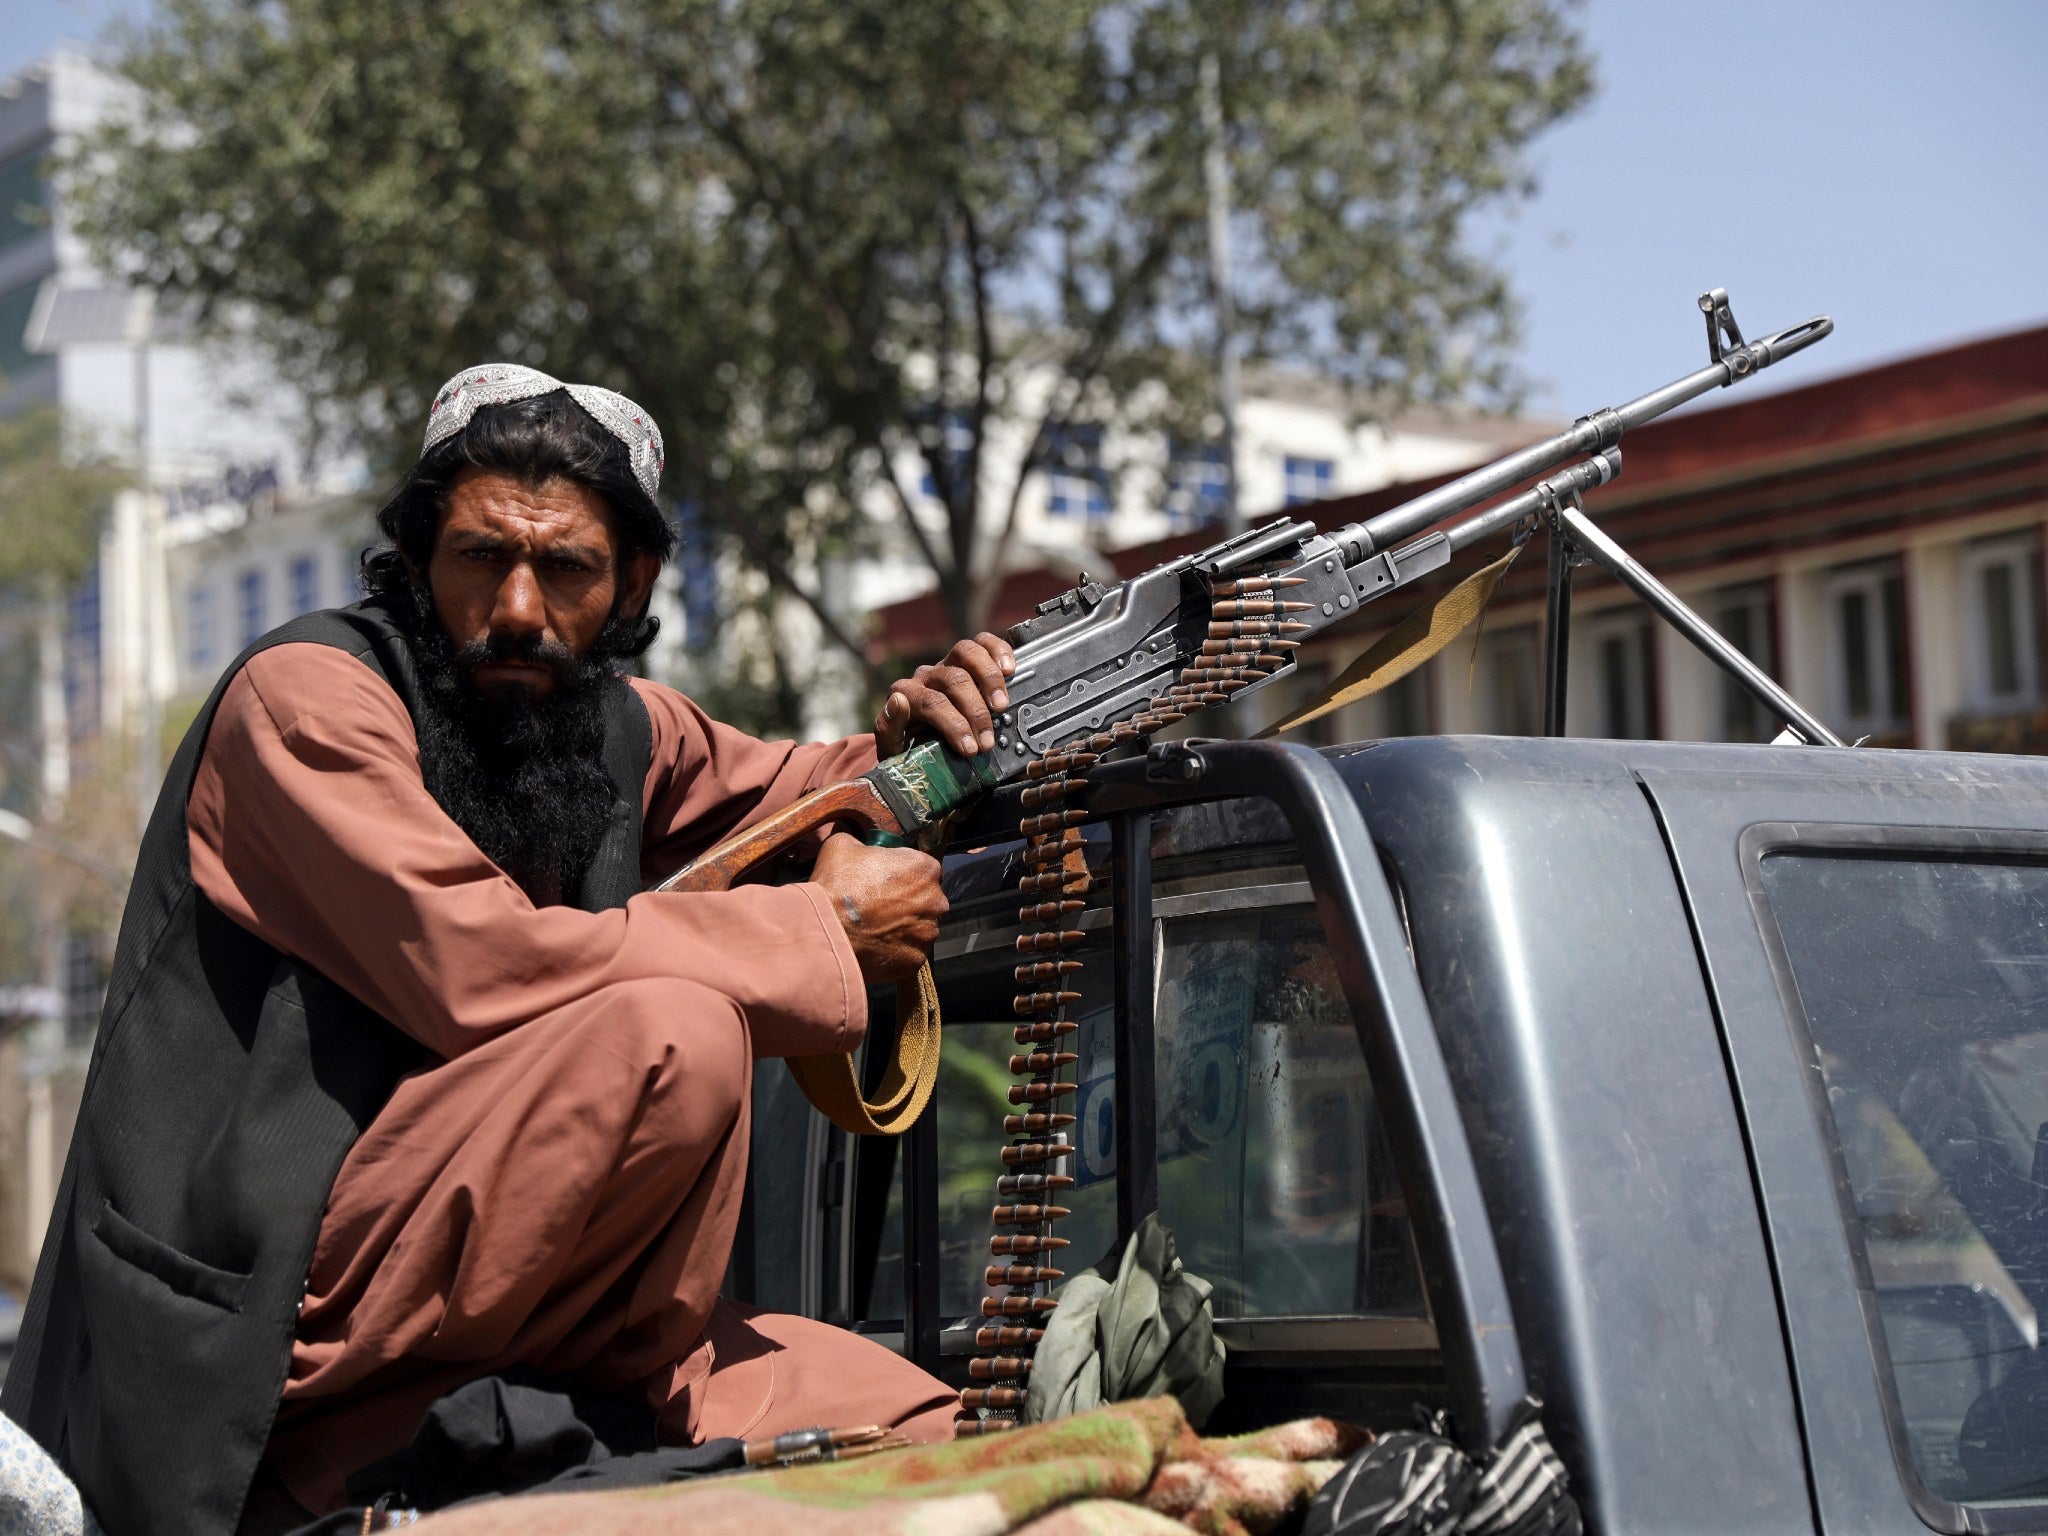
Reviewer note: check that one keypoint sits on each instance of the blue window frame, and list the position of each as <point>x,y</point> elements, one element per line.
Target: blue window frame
<point>956,438</point>
<point>201,643</point>
<point>252,604</point>
<point>304,580</point>
<point>24,196</point>
<point>697,564</point>
<point>82,657</point>
<point>1308,479</point>
<point>1197,484</point>
<point>1076,484</point>
<point>15,357</point>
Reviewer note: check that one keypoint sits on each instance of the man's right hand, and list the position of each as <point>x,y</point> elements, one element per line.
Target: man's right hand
<point>889,901</point>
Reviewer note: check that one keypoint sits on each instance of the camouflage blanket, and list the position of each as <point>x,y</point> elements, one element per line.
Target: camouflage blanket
<point>1131,1469</point>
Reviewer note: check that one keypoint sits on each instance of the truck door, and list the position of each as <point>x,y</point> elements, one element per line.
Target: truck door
<point>1875,933</point>
<point>1257,1064</point>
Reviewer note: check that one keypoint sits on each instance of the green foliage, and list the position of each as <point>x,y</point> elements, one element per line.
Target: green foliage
<point>806,233</point>
<point>53,499</point>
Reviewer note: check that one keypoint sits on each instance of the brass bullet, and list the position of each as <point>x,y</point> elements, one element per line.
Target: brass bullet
<point>1021,1274</point>
<point>1054,763</point>
<point>1039,1031</point>
<point>1044,970</point>
<point>1033,1184</point>
<point>966,1429</point>
<point>1035,1124</point>
<point>1041,1002</point>
<point>1024,1243</point>
<point>1027,943</point>
<point>1050,821</point>
<point>1044,1061</point>
<point>991,1397</point>
<point>1055,880</point>
<point>1035,1152</point>
<point>1016,1306</point>
<point>1047,791</point>
<point>1027,1215</point>
<point>1007,1338</point>
<point>1048,911</point>
<point>1000,1368</point>
<point>1039,1093</point>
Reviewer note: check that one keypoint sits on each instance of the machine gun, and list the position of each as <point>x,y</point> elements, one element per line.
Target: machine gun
<point>1102,665</point>
<point>1099,668</point>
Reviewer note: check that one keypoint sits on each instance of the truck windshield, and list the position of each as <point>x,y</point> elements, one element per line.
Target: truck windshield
<point>1924,987</point>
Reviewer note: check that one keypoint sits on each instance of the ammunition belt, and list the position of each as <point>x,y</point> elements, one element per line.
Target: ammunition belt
<point>1248,640</point>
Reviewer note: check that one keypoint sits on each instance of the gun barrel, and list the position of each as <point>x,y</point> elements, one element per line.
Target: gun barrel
<point>1589,434</point>
<point>1576,481</point>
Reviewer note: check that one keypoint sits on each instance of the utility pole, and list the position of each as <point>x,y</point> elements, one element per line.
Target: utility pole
<point>1216,172</point>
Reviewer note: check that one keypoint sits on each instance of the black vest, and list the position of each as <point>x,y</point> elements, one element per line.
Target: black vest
<point>227,1084</point>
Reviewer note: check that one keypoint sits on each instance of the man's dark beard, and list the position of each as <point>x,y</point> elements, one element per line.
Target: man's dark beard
<point>522,773</point>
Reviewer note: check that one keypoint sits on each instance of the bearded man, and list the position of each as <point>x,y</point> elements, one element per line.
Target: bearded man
<point>404,1077</point>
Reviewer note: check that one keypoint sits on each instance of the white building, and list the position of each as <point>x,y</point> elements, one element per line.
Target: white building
<point>1299,439</point>
<point>222,442</point>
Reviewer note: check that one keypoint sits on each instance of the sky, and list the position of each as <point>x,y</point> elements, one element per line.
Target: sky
<point>1880,161</point>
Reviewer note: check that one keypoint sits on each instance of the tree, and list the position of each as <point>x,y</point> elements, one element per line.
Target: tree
<point>54,492</point>
<point>834,245</point>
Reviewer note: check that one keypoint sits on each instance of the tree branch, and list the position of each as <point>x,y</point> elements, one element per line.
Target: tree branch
<point>779,574</point>
<point>1082,369</point>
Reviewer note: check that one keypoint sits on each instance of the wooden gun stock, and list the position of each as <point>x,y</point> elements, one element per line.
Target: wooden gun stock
<point>831,1082</point>
<point>855,801</point>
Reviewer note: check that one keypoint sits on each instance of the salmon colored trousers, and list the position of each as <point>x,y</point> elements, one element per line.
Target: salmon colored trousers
<point>564,1197</point>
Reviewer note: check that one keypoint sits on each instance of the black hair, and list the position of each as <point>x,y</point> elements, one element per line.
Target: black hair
<point>534,441</point>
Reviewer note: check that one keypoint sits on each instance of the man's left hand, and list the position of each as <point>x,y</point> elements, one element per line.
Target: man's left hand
<point>956,699</point>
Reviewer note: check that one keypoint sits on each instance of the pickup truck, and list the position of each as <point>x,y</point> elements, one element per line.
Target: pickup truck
<point>1700,1091</point>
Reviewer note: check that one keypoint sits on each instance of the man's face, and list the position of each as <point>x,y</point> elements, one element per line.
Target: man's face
<point>529,576</point>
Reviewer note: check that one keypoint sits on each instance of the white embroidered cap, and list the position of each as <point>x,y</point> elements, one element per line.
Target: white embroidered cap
<point>502,383</point>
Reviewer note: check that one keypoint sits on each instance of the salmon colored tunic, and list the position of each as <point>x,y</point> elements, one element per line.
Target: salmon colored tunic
<point>559,1186</point>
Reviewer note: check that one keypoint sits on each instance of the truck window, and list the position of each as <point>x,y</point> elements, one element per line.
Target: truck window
<point>1274,1171</point>
<point>975,988</point>
<point>1922,984</point>
<point>1273,1168</point>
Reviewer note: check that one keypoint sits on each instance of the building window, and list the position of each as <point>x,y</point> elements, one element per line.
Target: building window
<point>1308,479</point>
<point>1197,484</point>
<point>1866,606</point>
<point>82,657</point>
<point>15,357</point>
<point>956,441</point>
<point>201,643</point>
<point>1618,647</point>
<point>1508,683</point>
<point>2004,619</point>
<point>1744,616</point>
<point>1076,484</point>
<point>305,583</point>
<point>251,604</point>
<point>84,987</point>
<point>23,196</point>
